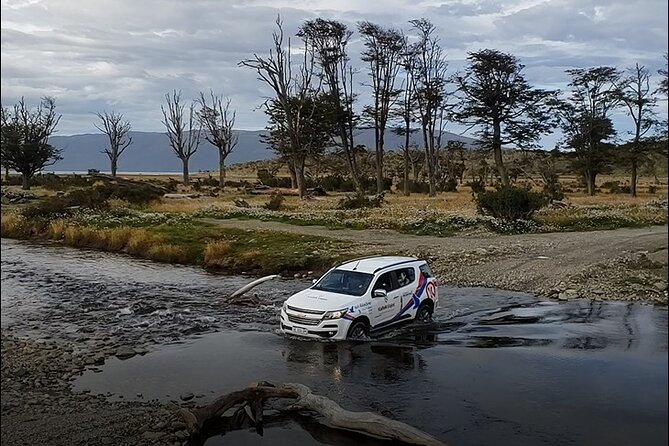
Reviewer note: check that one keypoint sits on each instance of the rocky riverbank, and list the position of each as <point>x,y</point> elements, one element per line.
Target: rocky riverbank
<point>39,406</point>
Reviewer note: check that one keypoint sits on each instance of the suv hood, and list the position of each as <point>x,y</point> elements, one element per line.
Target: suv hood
<point>321,300</point>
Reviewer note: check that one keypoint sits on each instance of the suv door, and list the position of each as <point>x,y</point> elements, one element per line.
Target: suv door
<point>406,280</point>
<point>385,308</point>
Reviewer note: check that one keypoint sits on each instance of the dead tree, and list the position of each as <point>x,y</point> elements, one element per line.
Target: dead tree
<point>218,122</point>
<point>430,92</point>
<point>249,403</point>
<point>293,104</point>
<point>383,53</point>
<point>116,129</point>
<point>182,131</point>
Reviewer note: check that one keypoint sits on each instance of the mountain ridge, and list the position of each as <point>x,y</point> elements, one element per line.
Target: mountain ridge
<point>150,151</point>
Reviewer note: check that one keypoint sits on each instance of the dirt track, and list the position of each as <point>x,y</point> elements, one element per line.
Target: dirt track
<point>622,264</point>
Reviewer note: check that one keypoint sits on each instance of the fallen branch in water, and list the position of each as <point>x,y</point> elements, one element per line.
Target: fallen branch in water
<point>237,294</point>
<point>251,400</point>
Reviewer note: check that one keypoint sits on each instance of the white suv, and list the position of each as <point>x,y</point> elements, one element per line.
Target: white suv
<point>362,295</point>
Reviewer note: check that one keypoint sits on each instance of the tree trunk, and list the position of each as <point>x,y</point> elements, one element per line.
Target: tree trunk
<point>299,177</point>
<point>497,151</point>
<point>7,174</point>
<point>429,159</point>
<point>221,173</point>
<point>406,159</point>
<point>113,167</point>
<point>186,175</point>
<point>26,182</point>
<point>293,176</point>
<point>379,171</point>
<point>590,182</point>
<point>633,180</point>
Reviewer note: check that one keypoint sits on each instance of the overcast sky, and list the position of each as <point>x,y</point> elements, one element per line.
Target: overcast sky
<point>124,55</point>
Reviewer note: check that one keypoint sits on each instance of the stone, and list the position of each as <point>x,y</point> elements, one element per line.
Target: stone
<point>660,286</point>
<point>125,353</point>
<point>186,396</point>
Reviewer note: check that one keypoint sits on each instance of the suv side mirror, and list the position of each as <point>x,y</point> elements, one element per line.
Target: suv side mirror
<point>380,293</point>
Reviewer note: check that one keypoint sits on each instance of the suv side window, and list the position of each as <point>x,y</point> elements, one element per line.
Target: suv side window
<point>425,270</point>
<point>405,276</point>
<point>385,282</point>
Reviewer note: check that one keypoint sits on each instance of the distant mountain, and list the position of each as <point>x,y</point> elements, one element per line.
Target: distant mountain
<point>150,151</point>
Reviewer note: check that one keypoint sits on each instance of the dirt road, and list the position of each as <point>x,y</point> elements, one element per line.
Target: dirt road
<point>622,264</point>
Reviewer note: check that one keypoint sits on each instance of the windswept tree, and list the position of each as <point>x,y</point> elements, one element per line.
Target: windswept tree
<point>637,96</point>
<point>117,131</point>
<point>429,82</point>
<point>383,54</point>
<point>496,98</point>
<point>24,138</point>
<point>586,122</point>
<point>183,131</point>
<point>327,41</point>
<point>218,122</point>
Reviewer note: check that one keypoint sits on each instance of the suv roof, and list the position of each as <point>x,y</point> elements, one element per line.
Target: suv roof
<point>373,264</point>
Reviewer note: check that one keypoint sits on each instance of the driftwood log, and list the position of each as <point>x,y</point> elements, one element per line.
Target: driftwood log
<point>251,401</point>
<point>130,183</point>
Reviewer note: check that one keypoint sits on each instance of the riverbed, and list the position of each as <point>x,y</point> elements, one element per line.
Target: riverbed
<point>495,367</point>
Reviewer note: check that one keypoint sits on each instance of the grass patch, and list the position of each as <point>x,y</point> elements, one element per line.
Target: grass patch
<point>228,249</point>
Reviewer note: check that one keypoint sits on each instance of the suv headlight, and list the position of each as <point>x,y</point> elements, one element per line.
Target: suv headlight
<point>335,314</point>
<point>285,306</point>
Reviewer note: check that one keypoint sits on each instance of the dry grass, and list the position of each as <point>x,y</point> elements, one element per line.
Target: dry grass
<point>216,251</point>
<point>165,252</point>
<point>12,225</point>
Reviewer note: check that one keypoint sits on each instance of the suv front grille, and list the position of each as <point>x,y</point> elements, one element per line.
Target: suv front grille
<point>302,320</point>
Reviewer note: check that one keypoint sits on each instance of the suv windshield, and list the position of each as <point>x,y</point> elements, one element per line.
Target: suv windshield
<point>344,282</point>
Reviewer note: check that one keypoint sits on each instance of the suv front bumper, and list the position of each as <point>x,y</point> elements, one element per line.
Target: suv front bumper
<point>335,329</point>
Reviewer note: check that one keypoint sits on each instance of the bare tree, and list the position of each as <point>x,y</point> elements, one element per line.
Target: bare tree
<point>182,131</point>
<point>24,138</point>
<point>664,81</point>
<point>430,85</point>
<point>406,105</point>
<point>116,129</point>
<point>638,98</point>
<point>383,53</point>
<point>293,97</point>
<point>328,41</point>
<point>218,122</point>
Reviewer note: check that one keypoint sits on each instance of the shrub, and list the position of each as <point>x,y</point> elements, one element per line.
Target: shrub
<point>477,186</point>
<point>275,202</point>
<point>509,203</point>
<point>448,185</point>
<point>360,201</point>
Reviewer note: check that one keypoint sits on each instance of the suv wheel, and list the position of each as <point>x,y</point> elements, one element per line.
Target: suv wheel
<point>358,330</point>
<point>424,314</point>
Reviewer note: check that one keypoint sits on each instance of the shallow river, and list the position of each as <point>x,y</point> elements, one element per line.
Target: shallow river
<point>495,367</point>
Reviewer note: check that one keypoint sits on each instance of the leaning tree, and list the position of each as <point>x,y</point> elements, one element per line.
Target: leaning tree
<point>292,105</point>
<point>24,138</point>
<point>218,121</point>
<point>183,131</point>
<point>117,131</point>
<point>496,98</point>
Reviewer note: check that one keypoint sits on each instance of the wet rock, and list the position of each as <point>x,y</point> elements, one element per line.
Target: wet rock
<point>125,353</point>
<point>660,286</point>
<point>186,396</point>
